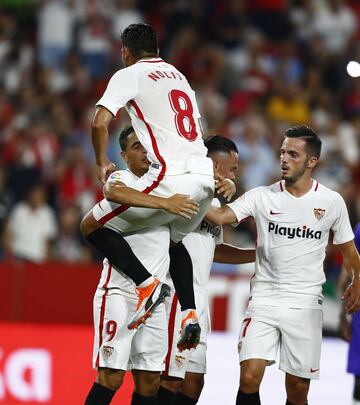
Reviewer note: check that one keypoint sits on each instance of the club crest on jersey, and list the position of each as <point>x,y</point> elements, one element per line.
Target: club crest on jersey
<point>179,361</point>
<point>108,351</point>
<point>319,213</point>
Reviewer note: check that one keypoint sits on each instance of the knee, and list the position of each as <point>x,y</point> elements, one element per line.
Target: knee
<point>249,381</point>
<point>88,224</point>
<point>147,383</point>
<point>297,391</point>
<point>111,379</point>
<point>171,383</point>
<point>193,385</point>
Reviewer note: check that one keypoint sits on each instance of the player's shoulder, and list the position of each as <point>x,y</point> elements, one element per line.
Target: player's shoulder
<point>272,188</point>
<point>327,192</point>
<point>124,176</point>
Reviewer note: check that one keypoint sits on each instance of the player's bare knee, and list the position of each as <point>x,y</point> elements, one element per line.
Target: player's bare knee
<point>146,383</point>
<point>192,385</point>
<point>171,383</point>
<point>249,381</point>
<point>297,389</point>
<point>110,378</point>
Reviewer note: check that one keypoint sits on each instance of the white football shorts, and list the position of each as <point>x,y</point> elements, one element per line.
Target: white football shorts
<point>178,363</point>
<point>115,346</point>
<point>198,184</point>
<point>297,331</point>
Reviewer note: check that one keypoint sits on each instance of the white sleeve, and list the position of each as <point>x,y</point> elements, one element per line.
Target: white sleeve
<point>121,88</point>
<point>244,206</point>
<point>121,175</point>
<point>341,227</point>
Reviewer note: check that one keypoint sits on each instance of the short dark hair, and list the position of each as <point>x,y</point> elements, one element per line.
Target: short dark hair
<point>218,143</point>
<point>313,142</point>
<point>124,136</point>
<point>141,39</point>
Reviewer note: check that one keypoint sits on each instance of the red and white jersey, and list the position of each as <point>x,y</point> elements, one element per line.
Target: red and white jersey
<point>293,233</point>
<point>201,244</point>
<point>148,245</point>
<point>163,112</point>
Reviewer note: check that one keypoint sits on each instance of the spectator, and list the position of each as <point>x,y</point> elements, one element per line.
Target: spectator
<point>32,228</point>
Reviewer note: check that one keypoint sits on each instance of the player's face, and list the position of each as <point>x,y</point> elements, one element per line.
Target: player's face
<point>135,156</point>
<point>294,160</point>
<point>226,164</point>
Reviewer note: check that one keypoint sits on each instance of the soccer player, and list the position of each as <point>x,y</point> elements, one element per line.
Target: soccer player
<point>350,331</point>
<point>183,378</point>
<point>116,348</point>
<point>165,116</point>
<point>294,218</point>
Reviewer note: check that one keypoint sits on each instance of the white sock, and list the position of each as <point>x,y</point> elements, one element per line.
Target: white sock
<point>147,282</point>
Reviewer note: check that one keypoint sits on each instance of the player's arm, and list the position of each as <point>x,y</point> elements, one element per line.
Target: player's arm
<point>178,204</point>
<point>225,253</point>
<point>351,295</point>
<point>221,216</point>
<point>99,137</point>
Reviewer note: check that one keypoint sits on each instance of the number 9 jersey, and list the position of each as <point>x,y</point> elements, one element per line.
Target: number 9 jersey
<point>163,112</point>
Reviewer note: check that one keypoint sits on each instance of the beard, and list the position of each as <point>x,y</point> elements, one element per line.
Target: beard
<point>294,177</point>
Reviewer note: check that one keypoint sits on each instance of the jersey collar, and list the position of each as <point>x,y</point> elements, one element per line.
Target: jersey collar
<point>150,60</point>
<point>314,187</point>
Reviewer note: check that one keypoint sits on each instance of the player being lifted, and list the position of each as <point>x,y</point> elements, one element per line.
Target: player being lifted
<point>165,116</point>
<point>294,218</point>
<point>183,378</point>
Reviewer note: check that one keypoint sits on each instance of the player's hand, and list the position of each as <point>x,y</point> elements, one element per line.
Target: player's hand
<point>225,187</point>
<point>105,169</point>
<point>351,297</point>
<point>183,205</point>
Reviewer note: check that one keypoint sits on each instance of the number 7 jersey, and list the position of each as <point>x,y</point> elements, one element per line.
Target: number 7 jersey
<point>163,112</point>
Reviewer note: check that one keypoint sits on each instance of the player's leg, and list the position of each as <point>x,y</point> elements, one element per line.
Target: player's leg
<point>258,343</point>
<point>114,247</point>
<point>300,350</point>
<point>149,348</point>
<point>146,386</point>
<point>356,394</point>
<point>201,189</point>
<point>169,386</point>
<point>108,381</point>
<point>297,389</point>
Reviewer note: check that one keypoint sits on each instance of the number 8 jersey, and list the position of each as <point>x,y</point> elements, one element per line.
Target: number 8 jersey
<point>163,111</point>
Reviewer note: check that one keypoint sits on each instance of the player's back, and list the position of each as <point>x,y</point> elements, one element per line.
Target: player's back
<point>163,110</point>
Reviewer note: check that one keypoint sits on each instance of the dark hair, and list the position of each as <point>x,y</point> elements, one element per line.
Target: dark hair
<point>124,135</point>
<point>218,143</point>
<point>141,39</point>
<point>313,142</point>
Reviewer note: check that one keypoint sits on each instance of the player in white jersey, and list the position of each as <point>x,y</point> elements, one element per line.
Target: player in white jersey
<point>115,299</point>
<point>294,218</point>
<point>183,378</point>
<point>116,348</point>
<point>165,116</point>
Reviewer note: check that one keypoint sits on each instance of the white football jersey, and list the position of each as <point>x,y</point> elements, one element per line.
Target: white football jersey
<point>148,245</point>
<point>201,244</point>
<point>292,235</point>
<point>163,112</point>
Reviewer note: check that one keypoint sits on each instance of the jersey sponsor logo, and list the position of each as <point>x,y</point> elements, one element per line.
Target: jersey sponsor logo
<point>212,229</point>
<point>108,351</point>
<point>272,212</point>
<point>299,232</point>
<point>179,361</point>
<point>319,213</point>
<point>313,370</point>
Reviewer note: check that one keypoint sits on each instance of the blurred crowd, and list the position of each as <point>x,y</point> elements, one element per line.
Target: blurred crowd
<point>257,66</point>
